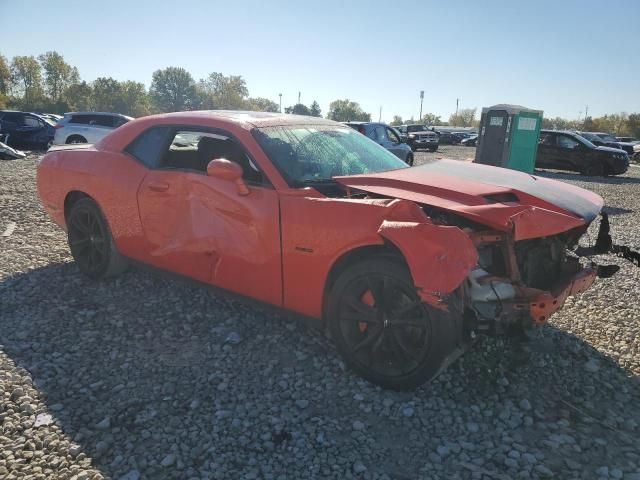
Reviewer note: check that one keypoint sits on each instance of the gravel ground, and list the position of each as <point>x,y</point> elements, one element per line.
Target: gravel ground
<point>151,377</point>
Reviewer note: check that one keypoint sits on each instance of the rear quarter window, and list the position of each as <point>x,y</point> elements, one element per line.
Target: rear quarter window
<point>149,147</point>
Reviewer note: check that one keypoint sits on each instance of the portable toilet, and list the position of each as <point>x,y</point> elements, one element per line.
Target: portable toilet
<point>508,137</point>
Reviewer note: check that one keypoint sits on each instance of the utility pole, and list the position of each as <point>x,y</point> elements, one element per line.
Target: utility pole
<point>298,97</point>
<point>421,98</point>
<point>586,112</point>
<point>280,102</point>
<point>380,115</point>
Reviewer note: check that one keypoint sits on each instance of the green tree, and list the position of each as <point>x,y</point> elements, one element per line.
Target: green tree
<point>106,94</point>
<point>314,110</point>
<point>173,90</point>
<point>27,76</point>
<point>633,125</point>
<point>431,119</point>
<point>132,99</point>
<point>224,92</point>
<point>260,104</point>
<point>5,76</point>
<point>397,120</point>
<point>346,110</point>
<point>58,74</point>
<point>78,97</point>
<point>298,109</point>
<point>466,117</point>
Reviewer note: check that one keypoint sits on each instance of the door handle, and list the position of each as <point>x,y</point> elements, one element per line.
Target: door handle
<point>158,186</point>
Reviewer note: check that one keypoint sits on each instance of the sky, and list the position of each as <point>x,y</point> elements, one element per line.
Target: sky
<point>558,56</point>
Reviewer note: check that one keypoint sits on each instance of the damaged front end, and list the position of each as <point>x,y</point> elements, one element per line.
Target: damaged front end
<point>519,284</point>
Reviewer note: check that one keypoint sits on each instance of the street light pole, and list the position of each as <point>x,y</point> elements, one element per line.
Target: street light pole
<point>421,98</point>
<point>280,102</point>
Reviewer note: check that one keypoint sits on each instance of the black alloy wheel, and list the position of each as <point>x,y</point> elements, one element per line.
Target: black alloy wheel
<point>383,329</point>
<point>90,241</point>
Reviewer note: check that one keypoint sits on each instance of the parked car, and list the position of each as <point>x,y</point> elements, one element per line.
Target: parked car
<point>564,150</point>
<point>306,215</point>
<point>87,127</point>
<point>55,118</point>
<point>448,138</point>
<point>632,140</point>
<point>419,136</point>
<point>606,140</point>
<point>386,136</point>
<point>470,141</point>
<point>25,129</point>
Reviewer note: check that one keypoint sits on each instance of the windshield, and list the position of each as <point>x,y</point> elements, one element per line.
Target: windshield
<point>416,128</point>
<point>584,140</point>
<point>590,136</point>
<point>306,154</point>
<point>607,137</point>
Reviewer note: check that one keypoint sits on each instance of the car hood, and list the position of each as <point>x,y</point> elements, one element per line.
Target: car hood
<point>610,149</point>
<point>507,200</point>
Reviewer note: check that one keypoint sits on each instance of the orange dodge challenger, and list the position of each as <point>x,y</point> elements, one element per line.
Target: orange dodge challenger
<point>404,264</point>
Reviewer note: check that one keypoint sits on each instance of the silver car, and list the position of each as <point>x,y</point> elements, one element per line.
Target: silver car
<point>86,127</point>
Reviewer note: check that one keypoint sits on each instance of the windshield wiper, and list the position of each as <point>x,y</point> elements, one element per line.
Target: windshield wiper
<point>319,181</point>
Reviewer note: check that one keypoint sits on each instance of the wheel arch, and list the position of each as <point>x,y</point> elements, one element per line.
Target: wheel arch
<point>71,199</point>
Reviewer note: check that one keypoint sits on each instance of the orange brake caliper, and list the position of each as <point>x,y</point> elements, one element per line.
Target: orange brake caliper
<point>367,299</point>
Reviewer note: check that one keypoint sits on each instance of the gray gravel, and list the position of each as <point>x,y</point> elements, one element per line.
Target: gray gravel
<point>146,376</point>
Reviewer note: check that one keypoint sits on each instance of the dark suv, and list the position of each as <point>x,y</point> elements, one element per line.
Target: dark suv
<point>419,136</point>
<point>564,150</point>
<point>25,129</point>
<point>386,136</point>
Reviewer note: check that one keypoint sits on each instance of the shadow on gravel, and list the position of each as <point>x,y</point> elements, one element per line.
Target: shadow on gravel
<point>615,179</point>
<point>143,373</point>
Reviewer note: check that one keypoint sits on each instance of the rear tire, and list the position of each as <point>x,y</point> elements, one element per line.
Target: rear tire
<point>76,139</point>
<point>383,330</point>
<point>91,242</point>
<point>409,160</point>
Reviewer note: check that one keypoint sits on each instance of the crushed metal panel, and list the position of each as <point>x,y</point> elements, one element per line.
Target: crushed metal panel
<point>439,257</point>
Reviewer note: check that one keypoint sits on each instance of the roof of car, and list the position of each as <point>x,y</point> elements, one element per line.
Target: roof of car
<point>98,113</point>
<point>256,119</point>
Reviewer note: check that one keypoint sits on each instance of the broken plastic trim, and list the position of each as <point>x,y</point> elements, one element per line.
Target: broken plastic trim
<point>604,244</point>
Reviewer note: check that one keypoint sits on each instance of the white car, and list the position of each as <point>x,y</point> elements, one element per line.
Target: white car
<point>86,127</point>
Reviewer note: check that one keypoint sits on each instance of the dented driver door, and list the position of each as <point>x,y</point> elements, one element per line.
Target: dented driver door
<point>201,227</point>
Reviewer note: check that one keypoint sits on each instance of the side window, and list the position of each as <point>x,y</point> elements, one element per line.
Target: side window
<point>82,119</point>
<point>118,121</point>
<point>567,142</point>
<point>193,150</point>
<point>380,135</point>
<point>546,139</point>
<point>149,146</point>
<point>28,121</point>
<point>393,136</point>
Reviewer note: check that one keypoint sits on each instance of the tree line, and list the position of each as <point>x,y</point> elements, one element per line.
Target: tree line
<point>48,83</point>
<point>620,124</point>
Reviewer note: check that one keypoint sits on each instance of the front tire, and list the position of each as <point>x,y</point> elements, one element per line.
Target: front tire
<point>383,330</point>
<point>91,243</point>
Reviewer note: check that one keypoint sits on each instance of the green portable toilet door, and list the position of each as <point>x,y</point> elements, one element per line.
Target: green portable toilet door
<point>493,136</point>
<point>524,141</point>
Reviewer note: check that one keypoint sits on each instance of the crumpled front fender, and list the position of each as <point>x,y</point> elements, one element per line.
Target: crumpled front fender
<point>439,257</point>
